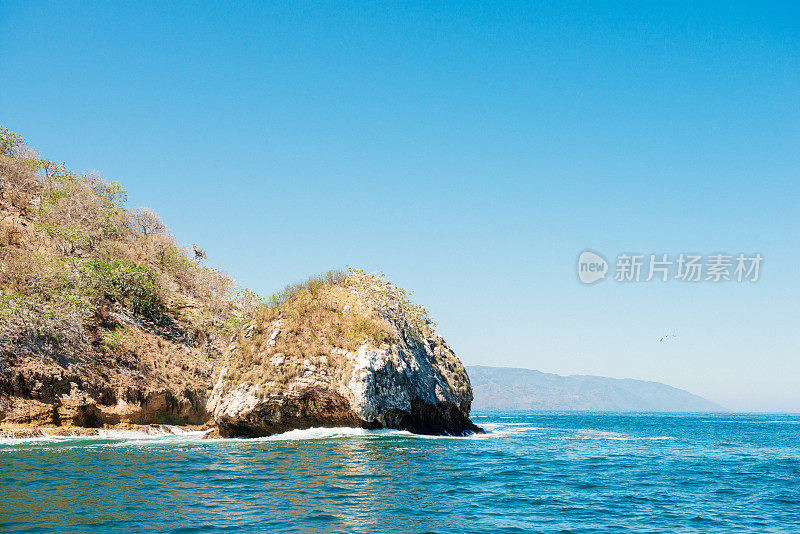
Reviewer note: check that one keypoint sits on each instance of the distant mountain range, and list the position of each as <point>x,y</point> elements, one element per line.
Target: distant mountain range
<point>508,388</point>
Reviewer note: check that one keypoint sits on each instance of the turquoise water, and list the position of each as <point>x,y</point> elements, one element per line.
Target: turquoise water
<point>533,472</point>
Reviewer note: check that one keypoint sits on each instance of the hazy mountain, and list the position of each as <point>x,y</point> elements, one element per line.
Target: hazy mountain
<point>513,388</point>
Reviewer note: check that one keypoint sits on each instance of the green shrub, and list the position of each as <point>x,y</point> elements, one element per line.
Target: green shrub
<point>119,339</point>
<point>127,283</point>
<point>10,142</point>
<point>70,238</point>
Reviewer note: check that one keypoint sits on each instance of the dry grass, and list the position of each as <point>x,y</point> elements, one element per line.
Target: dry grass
<point>63,233</point>
<point>319,321</point>
<point>166,362</point>
<point>392,302</point>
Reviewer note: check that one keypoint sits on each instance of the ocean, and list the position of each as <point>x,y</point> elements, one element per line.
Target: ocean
<point>554,472</point>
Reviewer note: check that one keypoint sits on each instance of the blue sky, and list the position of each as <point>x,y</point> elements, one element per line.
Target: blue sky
<point>470,151</point>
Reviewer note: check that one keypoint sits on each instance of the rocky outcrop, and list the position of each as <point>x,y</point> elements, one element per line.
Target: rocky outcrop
<point>354,352</point>
<point>144,377</point>
<point>104,318</point>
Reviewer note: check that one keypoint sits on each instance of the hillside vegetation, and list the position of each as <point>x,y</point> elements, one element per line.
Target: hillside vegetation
<point>67,242</point>
<point>92,289</point>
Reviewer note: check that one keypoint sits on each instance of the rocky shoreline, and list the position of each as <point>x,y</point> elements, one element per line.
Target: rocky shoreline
<point>106,322</point>
<point>34,431</point>
<point>351,351</point>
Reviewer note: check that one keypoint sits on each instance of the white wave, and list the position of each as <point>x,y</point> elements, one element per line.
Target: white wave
<point>316,433</point>
<point>17,441</point>
<point>145,435</point>
<point>156,439</point>
<point>589,433</point>
<point>330,433</point>
<point>152,433</point>
<point>149,433</point>
<point>502,430</point>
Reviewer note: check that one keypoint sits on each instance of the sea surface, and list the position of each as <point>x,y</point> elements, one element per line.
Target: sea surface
<point>532,472</point>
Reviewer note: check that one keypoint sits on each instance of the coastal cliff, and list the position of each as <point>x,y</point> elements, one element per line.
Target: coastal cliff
<point>341,350</point>
<point>104,318</point>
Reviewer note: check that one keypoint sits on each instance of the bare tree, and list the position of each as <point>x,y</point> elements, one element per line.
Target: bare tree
<point>146,222</point>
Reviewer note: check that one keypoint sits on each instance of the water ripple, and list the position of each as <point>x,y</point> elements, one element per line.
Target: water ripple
<point>532,472</point>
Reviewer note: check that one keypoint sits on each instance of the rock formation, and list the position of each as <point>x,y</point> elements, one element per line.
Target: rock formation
<point>106,320</point>
<point>149,376</point>
<point>346,350</point>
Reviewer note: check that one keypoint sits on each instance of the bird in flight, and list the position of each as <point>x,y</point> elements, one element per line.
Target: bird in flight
<point>666,337</point>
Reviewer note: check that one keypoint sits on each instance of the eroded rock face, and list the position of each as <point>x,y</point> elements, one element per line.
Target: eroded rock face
<point>94,405</point>
<point>154,381</point>
<point>399,375</point>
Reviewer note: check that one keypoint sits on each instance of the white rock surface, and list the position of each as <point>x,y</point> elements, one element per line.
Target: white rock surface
<point>416,383</point>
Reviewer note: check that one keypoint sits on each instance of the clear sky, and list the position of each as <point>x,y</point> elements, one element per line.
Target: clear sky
<point>469,150</point>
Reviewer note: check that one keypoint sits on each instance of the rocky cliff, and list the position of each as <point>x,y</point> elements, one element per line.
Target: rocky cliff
<point>147,374</point>
<point>104,318</point>
<point>342,350</point>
